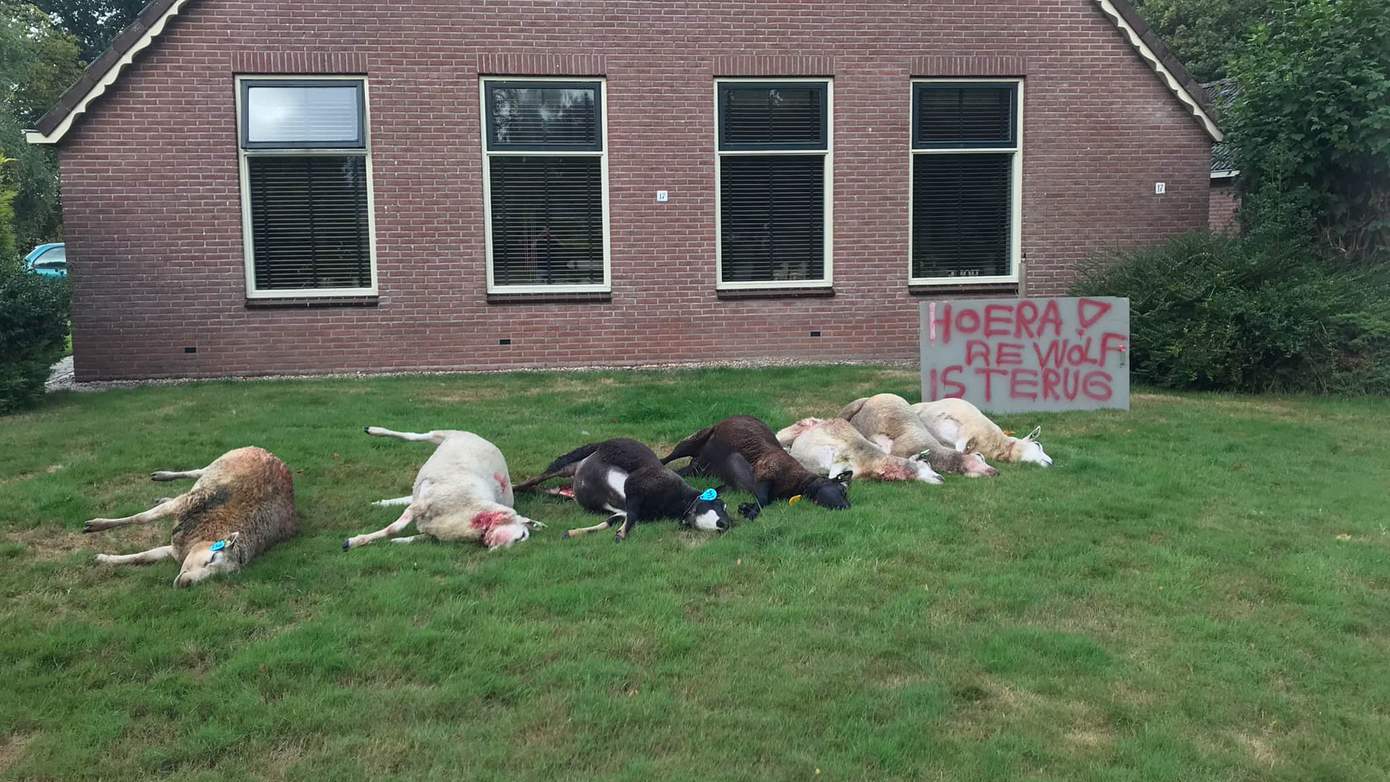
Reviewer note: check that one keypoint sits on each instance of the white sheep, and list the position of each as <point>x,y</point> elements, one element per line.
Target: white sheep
<point>832,446</point>
<point>462,492</point>
<point>962,425</point>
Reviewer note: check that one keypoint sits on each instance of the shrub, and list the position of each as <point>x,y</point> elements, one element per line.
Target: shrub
<point>1310,124</point>
<point>1249,314</point>
<point>33,330</point>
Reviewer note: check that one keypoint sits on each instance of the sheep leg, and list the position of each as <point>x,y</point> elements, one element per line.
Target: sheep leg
<point>162,510</point>
<point>690,446</point>
<point>568,471</point>
<point>406,500</point>
<point>410,437</point>
<point>599,527</point>
<point>410,538</point>
<point>142,558</point>
<point>632,512</point>
<point>390,530</point>
<point>695,467</point>
<point>174,475</point>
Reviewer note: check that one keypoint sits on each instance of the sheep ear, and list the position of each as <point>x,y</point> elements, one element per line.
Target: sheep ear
<point>232,539</point>
<point>1033,435</point>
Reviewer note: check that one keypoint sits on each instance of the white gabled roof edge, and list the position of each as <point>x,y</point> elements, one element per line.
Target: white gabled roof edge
<point>106,80</point>
<point>1174,85</point>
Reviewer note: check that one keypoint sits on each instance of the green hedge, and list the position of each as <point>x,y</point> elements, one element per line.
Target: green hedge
<point>33,332</point>
<point>1248,314</point>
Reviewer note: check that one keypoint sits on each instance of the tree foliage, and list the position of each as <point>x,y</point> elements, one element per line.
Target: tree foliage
<point>1204,35</point>
<point>95,23</point>
<point>38,60</point>
<point>33,328</point>
<point>1311,124</point>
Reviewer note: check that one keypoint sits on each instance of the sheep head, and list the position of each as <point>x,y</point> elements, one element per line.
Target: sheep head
<point>1028,450</point>
<point>208,558</point>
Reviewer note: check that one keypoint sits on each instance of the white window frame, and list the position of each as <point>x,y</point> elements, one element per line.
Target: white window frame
<point>248,250</point>
<point>829,189</point>
<point>1015,189</point>
<point>492,287</point>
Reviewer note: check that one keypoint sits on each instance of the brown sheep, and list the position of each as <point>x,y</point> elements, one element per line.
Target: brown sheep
<point>744,453</point>
<point>241,505</point>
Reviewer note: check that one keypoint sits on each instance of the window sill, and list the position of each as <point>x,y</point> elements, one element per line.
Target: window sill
<point>596,297</point>
<point>927,289</point>
<point>734,294</point>
<point>310,302</point>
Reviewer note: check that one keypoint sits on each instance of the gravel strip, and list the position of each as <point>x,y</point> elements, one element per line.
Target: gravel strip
<point>62,377</point>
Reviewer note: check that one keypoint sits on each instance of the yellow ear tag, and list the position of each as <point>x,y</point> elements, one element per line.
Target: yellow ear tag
<point>794,500</point>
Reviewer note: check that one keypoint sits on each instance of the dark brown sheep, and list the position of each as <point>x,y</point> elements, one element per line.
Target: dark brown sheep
<point>744,453</point>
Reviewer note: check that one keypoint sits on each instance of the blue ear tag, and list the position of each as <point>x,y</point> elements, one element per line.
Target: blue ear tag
<point>709,494</point>
<point>218,546</point>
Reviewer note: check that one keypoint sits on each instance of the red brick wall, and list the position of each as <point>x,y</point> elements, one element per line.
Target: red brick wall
<point>153,211</point>
<point>1222,204</point>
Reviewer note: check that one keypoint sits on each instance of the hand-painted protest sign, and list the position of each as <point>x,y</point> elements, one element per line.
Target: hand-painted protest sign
<point>1013,355</point>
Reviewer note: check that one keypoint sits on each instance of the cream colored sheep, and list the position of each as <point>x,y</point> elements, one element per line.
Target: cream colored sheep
<point>960,424</point>
<point>888,422</point>
<point>830,447</point>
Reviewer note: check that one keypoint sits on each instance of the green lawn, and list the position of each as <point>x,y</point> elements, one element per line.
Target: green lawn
<point>1199,590</point>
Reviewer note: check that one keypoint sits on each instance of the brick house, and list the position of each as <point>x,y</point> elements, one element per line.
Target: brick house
<point>310,186</point>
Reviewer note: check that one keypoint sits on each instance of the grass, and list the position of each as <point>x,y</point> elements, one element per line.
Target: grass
<point>1197,591</point>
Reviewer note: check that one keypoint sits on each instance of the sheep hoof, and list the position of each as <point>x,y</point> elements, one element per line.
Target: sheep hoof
<point>347,544</point>
<point>565,535</point>
<point>749,510</point>
<point>367,429</point>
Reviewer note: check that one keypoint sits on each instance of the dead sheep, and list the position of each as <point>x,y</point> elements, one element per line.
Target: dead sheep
<point>240,505</point>
<point>959,423</point>
<point>832,446</point>
<point>888,421</point>
<point>623,478</point>
<point>462,492</point>
<point>743,452</point>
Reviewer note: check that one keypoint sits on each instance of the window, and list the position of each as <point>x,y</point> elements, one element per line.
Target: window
<point>773,183</point>
<point>545,185</point>
<point>965,198</point>
<point>306,195</point>
<point>54,259</point>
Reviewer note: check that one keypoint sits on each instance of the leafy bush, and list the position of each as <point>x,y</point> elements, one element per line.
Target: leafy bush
<point>33,329</point>
<point>1249,314</point>
<point>1310,124</point>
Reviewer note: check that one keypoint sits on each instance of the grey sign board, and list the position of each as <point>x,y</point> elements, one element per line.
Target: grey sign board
<point>1018,355</point>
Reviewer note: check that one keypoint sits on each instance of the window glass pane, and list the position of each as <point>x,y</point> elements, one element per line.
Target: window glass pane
<point>772,217</point>
<point>310,227</point>
<point>541,117</point>
<point>772,117</point>
<point>974,116</point>
<point>547,220</point>
<point>962,215</point>
<point>321,115</point>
